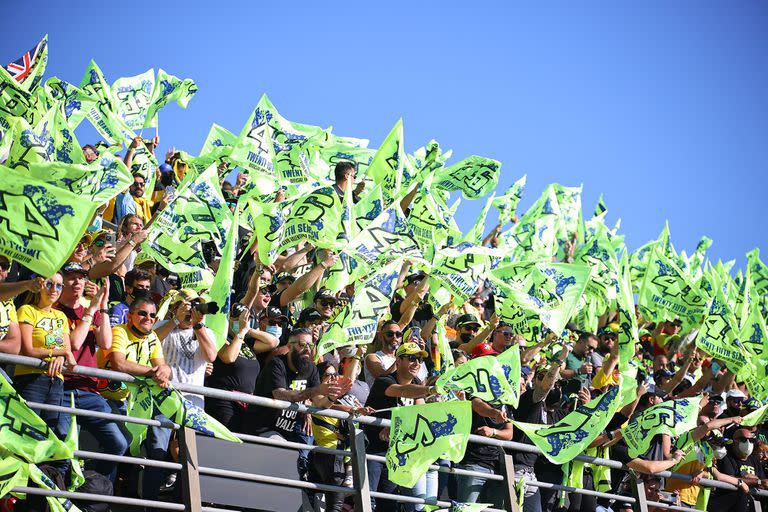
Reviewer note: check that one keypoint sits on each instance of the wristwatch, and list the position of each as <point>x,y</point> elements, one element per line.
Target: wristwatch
<point>198,325</point>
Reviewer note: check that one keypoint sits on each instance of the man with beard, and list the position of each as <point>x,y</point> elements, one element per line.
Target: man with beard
<point>293,377</point>
<point>382,362</point>
<point>467,327</point>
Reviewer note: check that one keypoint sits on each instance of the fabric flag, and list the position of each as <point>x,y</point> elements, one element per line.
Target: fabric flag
<point>218,137</point>
<point>444,358</point>
<point>458,507</point>
<point>139,404</point>
<point>268,226</point>
<point>324,152</point>
<point>73,443</point>
<point>534,237</point>
<point>220,291</point>
<point>628,335</point>
<point>40,224</point>
<point>672,417</point>
<point>99,181</point>
<point>570,224</point>
<point>719,334</point>
<point>421,434</point>
<point>387,166</point>
<point>754,337</point>
<point>510,363</point>
<point>460,269</point>
<point>756,417</point>
<point>638,263</point>
<point>569,437</point>
<point>199,208</point>
<point>133,95</point>
<point>101,114</point>
<point>168,88</point>
<point>356,323</point>
<point>145,164</point>
<point>697,258</point>
<point>599,254</point>
<point>666,292</point>
<point>427,223</point>
<point>27,71</point>
<point>387,237</point>
<point>72,100</point>
<point>507,204</point>
<point>476,233</point>
<point>600,208</point>
<point>47,141</point>
<point>23,433</point>
<point>481,377</point>
<point>15,473</point>
<point>475,176</point>
<point>315,217</point>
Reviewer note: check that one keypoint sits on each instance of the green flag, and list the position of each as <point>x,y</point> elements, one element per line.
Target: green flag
<point>220,291</point>
<point>569,437</point>
<point>719,334</point>
<point>756,417</point>
<point>672,417</point>
<point>168,88</point>
<point>507,204</point>
<point>73,443</point>
<point>754,338</point>
<point>40,224</point>
<point>268,226</point>
<point>49,140</point>
<point>133,95</point>
<point>139,404</point>
<point>628,335</point>
<point>476,233</point>
<point>42,481</point>
<point>356,323</point>
<point>638,263</point>
<point>461,269</point>
<point>427,223</point>
<point>15,474</point>
<point>421,434</point>
<point>482,377</point>
<point>315,217</point>
<point>99,181</point>
<point>23,433</point>
<point>387,237</point>
<point>218,137</point>
<point>197,213</point>
<point>101,113</point>
<point>510,363</point>
<point>387,166</point>
<point>475,176</point>
<point>759,272</point>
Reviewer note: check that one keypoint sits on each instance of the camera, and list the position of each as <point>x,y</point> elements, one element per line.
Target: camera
<point>206,308</point>
<point>238,309</point>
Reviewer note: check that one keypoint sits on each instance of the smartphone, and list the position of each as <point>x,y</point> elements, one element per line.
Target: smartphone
<point>111,238</point>
<point>715,368</point>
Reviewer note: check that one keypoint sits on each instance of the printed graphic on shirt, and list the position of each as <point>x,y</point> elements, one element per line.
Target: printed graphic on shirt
<point>287,421</point>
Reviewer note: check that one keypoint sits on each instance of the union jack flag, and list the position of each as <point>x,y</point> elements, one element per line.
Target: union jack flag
<point>21,69</point>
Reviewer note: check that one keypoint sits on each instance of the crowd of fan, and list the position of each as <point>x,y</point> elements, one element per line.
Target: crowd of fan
<point>101,309</point>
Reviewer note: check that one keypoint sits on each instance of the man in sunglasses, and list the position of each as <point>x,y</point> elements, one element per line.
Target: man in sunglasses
<point>382,362</point>
<point>136,350</point>
<point>126,204</point>
<point>136,281</point>
<point>401,388</point>
<point>467,327</point>
<point>578,362</point>
<point>324,301</point>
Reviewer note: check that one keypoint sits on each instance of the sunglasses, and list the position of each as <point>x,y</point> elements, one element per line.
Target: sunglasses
<point>145,314</point>
<point>264,291</point>
<point>506,334</point>
<point>50,285</point>
<point>140,185</point>
<point>4,265</point>
<point>301,345</point>
<point>327,303</point>
<point>413,359</point>
<point>393,334</point>
<point>330,374</point>
<point>471,329</point>
<point>477,304</point>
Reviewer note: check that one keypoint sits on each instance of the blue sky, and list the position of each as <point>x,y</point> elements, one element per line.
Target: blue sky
<point>660,106</point>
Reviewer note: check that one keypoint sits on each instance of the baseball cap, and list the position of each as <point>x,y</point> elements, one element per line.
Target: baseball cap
<point>418,276</point>
<point>467,319</point>
<point>309,315</point>
<point>716,398</point>
<point>324,294</point>
<point>185,294</point>
<point>410,349</point>
<point>752,404</point>
<point>483,349</point>
<point>284,276</point>
<point>164,167</point>
<point>735,393</point>
<point>276,314</point>
<point>71,267</point>
<point>662,374</point>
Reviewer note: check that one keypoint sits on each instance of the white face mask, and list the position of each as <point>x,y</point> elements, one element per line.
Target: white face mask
<point>720,452</point>
<point>274,330</point>
<point>745,447</point>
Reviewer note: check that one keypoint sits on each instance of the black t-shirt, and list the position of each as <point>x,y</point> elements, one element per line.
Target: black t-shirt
<point>238,376</point>
<point>527,412</point>
<point>723,500</point>
<point>378,400</point>
<point>422,314</point>
<point>278,375</point>
<point>483,454</point>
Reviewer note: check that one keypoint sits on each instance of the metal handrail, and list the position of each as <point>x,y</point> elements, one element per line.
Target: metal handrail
<point>279,404</point>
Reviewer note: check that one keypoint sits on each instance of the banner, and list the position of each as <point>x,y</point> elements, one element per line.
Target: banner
<point>387,166</point>
<point>315,217</point>
<point>672,417</point>
<point>40,224</point>
<point>482,377</point>
<point>99,181</point>
<point>507,204</point>
<point>23,433</point>
<point>475,176</point>
<point>356,323</point>
<point>421,434</point>
<point>569,437</point>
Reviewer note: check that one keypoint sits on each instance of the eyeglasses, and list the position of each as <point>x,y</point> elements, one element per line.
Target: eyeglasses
<point>301,345</point>
<point>506,334</point>
<point>328,303</point>
<point>5,265</point>
<point>413,359</point>
<point>264,291</point>
<point>50,285</point>
<point>140,184</point>
<point>393,334</point>
<point>145,314</point>
<point>477,304</point>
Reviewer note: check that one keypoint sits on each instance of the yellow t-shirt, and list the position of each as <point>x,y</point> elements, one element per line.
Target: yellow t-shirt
<point>600,380</point>
<point>7,316</point>
<point>139,350</point>
<point>48,331</point>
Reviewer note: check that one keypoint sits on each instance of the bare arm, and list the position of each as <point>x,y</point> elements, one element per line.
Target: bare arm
<point>303,283</point>
<point>678,377</point>
<point>411,303</point>
<point>481,336</point>
<point>406,202</point>
<point>11,344</point>
<point>120,364</point>
<point>207,344</point>
<point>105,268</point>
<point>375,367</point>
<point>28,350</point>
<point>409,390</point>
<point>542,388</point>
<point>294,260</point>
<point>11,290</point>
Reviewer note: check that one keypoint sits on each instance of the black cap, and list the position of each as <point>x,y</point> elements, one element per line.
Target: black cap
<point>309,315</point>
<point>467,319</point>
<point>276,314</point>
<point>324,294</point>
<point>418,276</point>
<point>283,276</point>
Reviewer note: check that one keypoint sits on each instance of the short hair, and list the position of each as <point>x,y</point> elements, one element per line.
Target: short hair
<point>299,332</point>
<point>92,148</point>
<point>137,274</point>
<point>342,169</point>
<point>586,336</point>
<point>322,366</point>
<point>387,323</point>
<point>143,298</point>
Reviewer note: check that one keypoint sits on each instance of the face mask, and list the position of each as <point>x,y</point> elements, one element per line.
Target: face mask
<point>745,447</point>
<point>466,337</point>
<point>720,452</point>
<point>274,330</point>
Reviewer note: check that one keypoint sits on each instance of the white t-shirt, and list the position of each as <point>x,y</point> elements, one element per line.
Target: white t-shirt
<point>386,362</point>
<point>183,354</point>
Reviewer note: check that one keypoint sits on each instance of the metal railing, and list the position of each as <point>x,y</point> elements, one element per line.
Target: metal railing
<point>191,470</point>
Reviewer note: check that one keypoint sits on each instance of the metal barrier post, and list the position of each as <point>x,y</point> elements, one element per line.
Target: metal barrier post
<point>510,493</point>
<point>359,469</point>
<point>638,490</point>
<point>190,474</point>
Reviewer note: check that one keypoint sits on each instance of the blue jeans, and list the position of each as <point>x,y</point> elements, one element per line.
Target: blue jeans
<point>469,489</point>
<point>532,501</point>
<point>107,432</point>
<point>379,481</point>
<point>47,390</point>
